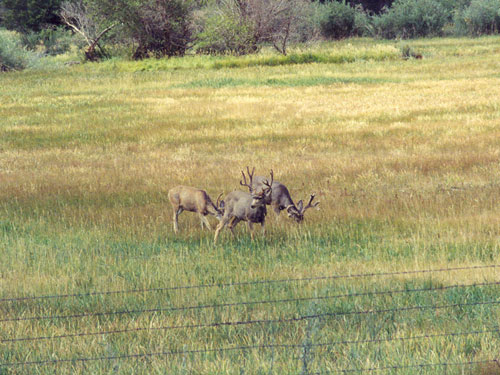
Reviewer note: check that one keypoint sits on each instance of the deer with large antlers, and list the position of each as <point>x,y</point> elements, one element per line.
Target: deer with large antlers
<point>281,200</point>
<point>243,206</point>
<point>186,198</point>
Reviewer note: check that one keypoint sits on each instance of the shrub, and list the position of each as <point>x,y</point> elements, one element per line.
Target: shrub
<point>480,17</point>
<point>363,24</point>
<point>52,41</point>
<point>221,31</point>
<point>336,19</point>
<point>412,19</point>
<point>159,27</point>
<point>13,55</point>
<point>242,26</point>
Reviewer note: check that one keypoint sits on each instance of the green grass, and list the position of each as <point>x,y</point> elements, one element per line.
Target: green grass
<point>402,154</point>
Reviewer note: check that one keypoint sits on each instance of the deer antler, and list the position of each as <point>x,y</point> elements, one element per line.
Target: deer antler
<point>218,200</point>
<point>250,176</point>
<point>310,204</point>
<point>266,181</point>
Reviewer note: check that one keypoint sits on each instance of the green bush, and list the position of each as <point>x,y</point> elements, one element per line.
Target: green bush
<point>480,17</point>
<point>13,55</point>
<point>336,19</point>
<point>412,19</point>
<point>363,23</point>
<point>224,33</point>
<point>53,41</point>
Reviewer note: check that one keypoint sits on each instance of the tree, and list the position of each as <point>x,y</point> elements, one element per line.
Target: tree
<point>276,21</point>
<point>84,18</point>
<point>160,27</point>
<point>375,6</point>
<point>241,26</point>
<point>30,15</point>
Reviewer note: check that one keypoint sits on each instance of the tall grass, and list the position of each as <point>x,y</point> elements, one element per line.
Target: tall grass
<point>402,155</point>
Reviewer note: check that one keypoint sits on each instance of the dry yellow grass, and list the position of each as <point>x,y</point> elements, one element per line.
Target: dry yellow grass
<point>403,155</point>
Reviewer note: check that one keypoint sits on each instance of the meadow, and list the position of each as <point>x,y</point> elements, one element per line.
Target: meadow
<point>403,154</point>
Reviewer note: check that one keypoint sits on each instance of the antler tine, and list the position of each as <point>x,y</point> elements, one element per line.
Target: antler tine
<point>250,175</point>
<point>310,204</point>
<point>266,181</point>
<point>218,200</point>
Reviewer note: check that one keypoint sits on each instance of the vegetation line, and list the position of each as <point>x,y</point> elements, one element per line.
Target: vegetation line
<point>248,347</point>
<point>420,365</point>
<point>244,283</point>
<point>248,322</point>
<point>246,303</point>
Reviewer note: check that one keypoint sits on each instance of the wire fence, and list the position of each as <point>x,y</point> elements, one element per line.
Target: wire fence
<point>249,322</point>
<point>247,303</point>
<point>248,347</point>
<point>246,283</point>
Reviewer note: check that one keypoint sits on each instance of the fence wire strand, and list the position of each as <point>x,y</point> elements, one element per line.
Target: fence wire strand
<point>247,347</point>
<point>245,283</point>
<point>406,367</point>
<point>248,322</point>
<point>247,303</point>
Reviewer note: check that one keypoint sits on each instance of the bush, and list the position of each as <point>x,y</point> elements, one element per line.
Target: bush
<point>363,24</point>
<point>240,27</point>
<point>13,55</point>
<point>53,41</point>
<point>158,27</point>
<point>480,17</point>
<point>220,31</point>
<point>336,19</point>
<point>412,19</point>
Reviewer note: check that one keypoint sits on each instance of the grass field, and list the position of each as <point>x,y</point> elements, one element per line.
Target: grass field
<point>404,156</point>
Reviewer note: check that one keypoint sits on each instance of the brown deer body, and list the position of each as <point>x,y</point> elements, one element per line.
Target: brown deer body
<point>281,199</point>
<point>187,198</point>
<point>243,206</point>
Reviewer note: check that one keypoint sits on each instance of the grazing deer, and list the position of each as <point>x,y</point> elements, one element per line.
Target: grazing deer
<point>186,198</point>
<point>281,200</point>
<point>243,206</point>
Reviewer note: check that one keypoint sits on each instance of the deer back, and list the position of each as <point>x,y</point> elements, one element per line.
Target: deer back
<point>238,204</point>
<point>280,194</point>
<point>191,199</point>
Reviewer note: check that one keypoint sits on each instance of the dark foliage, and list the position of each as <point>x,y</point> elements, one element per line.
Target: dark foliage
<point>159,27</point>
<point>30,15</point>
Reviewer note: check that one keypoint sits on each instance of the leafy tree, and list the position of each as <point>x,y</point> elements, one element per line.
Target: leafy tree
<point>337,19</point>
<point>412,19</point>
<point>480,17</point>
<point>159,27</point>
<point>30,15</point>
<point>241,26</point>
<point>85,19</point>
<point>369,5</point>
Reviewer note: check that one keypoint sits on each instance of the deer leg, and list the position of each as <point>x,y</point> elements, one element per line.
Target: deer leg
<point>232,224</point>
<point>250,228</point>
<point>276,209</point>
<point>204,221</point>
<point>177,212</point>
<point>263,229</point>
<point>221,225</point>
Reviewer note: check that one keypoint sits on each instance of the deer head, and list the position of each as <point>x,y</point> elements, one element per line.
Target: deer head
<point>262,197</point>
<point>297,213</point>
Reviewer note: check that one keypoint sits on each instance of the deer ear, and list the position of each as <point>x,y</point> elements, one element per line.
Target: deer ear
<point>300,205</point>
<point>222,204</point>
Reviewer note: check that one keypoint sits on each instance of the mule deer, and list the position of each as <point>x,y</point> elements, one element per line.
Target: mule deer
<point>243,206</point>
<point>186,198</point>
<point>281,200</point>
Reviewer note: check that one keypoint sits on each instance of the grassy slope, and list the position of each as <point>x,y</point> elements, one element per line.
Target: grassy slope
<point>403,156</point>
